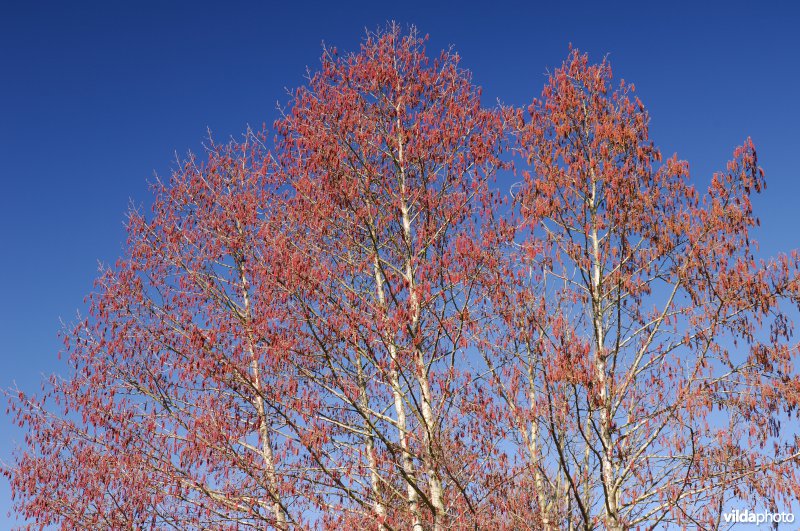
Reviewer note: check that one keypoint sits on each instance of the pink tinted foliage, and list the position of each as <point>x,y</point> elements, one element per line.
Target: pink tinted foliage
<point>357,324</point>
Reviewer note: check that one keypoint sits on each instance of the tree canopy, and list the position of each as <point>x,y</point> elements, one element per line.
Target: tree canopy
<point>405,309</point>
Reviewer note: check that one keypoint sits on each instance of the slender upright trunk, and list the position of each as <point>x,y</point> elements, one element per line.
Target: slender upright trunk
<point>532,439</point>
<point>369,441</point>
<point>412,497</point>
<point>428,418</point>
<point>263,419</point>
<point>606,455</point>
<point>421,375</point>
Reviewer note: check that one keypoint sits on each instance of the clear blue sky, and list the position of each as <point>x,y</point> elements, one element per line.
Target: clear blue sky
<point>95,99</point>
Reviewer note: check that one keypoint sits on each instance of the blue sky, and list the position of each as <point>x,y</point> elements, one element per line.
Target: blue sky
<point>95,99</point>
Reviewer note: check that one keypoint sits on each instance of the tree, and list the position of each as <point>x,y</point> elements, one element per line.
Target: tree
<point>354,326</point>
<point>166,418</point>
<point>390,155</point>
<point>644,353</point>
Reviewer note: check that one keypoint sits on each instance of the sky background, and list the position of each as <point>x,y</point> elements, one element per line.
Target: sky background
<point>97,98</point>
